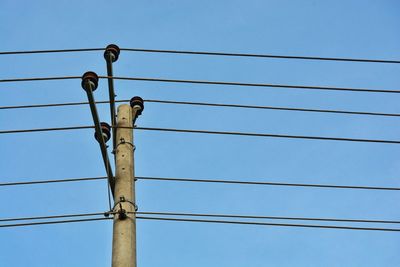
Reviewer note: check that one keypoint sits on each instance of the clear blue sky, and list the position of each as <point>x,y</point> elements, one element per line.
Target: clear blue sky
<point>359,29</point>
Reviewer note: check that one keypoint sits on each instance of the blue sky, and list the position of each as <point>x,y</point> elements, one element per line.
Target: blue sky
<point>359,29</point>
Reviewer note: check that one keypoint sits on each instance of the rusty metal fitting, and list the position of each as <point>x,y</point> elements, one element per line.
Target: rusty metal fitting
<point>122,214</point>
<point>90,80</point>
<point>112,50</point>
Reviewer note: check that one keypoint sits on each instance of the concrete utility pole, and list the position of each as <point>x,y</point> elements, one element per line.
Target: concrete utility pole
<point>124,228</point>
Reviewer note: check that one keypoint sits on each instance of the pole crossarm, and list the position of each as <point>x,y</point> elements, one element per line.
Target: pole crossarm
<point>89,84</point>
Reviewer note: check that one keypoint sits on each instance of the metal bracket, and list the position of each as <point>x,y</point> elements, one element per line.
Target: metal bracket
<point>122,199</point>
<point>122,142</point>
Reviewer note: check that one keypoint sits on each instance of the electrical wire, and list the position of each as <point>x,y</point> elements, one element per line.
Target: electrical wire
<point>207,53</point>
<point>211,105</point>
<point>268,135</point>
<point>269,224</point>
<point>198,220</point>
<point>33,79</point>
<point>306,87</point>
<point>54,181</point>
<point>266,183</point>
<point>219,181</point>
<point>209,221</point>
<point>266,217</point>
<point>51,51</point>
<point>180,214</point>
<point>52,222</point>
<point>51,217</point>
<point>46,129</point>
<point>209,132</point>
<point>271,108</point>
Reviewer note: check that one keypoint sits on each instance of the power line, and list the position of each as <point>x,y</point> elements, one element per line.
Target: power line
<point>51,105</point>
<point>33,79</point>
<point>207,53</point>
<point>208,104</point>
<point>51,217</point>
<point>51,51</point>
<point>272,108</point>
<point>268,135</point>
<point>266,217</point>
<point>54,181</point>
<point>208,221</point>
<point>258,55</point>
<point>210,132</point>
<point>306,87</point>
<point>46,129</point>
<point>196,220</point>
<point>52,222</point>
<point>269,224</point>
<point>180,214</point>
<point>220,181</point>
<point>58,104</point>
<point>266,183</point>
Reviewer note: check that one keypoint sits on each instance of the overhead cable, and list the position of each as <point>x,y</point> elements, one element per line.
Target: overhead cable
<point>262,183</point>
<point>268,224</point>
<point>52,222</point>
<point>268,135</point>
<point>143,79</point>
<point>267,217</point>
<point>182,220</point>
<point>219,181</point>
<point>51,51</point>
<point>46,129</point>
<point>51,217</point>
<point>181,214</point>
<point>53,181</point>
<point>306,87</point>
<point>210,105</point>
<point>33,79</point>
<point>207,53</point>
<point>211,132</point>
<point>272,108</point>
<point>208,221</point>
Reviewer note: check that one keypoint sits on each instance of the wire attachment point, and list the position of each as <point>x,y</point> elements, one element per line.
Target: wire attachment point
<point>137,103</point>
<point>90,81</point>
<point>122,212</point>
<point>112,50</point>
<point>106,132</point>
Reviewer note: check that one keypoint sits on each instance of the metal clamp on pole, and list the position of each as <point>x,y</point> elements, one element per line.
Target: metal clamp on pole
<point>123,200</point>
<point>111,55</point>
<point>121,142</point>
<point>102,130</point>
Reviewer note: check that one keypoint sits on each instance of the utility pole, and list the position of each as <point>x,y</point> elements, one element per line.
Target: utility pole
<point>123,185</point>
<point>124,228</point>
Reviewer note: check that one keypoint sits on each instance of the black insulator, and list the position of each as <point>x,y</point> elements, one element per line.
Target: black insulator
<point>106,130</point>
<point>113,50</point>
<point>91,78</point>
<point>137,101</point>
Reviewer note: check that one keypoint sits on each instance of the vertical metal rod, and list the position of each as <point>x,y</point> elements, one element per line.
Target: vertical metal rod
<point>111,92</point>
<point>111,55</point>
<point>99,132</point>
<point>124,228</point>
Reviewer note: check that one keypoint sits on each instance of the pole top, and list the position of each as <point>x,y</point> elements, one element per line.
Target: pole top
<point>90,80</point>
<point>113,50</point>
<point>106,132</point>
<point>137,101</point>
